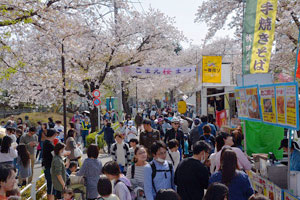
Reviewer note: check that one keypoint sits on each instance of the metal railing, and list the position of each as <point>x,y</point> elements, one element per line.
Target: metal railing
<point>34,190</point>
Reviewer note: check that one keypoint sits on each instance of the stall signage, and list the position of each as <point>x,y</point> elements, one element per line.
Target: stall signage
<point>267,103</point>
<point>275,104</point>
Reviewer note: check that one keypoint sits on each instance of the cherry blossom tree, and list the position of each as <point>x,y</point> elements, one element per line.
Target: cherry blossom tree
<point>219,14</point>
<point>94,47</point>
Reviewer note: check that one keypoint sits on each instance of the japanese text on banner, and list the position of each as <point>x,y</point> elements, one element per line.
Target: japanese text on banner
<point>211,69</point>
<point>263,36</point>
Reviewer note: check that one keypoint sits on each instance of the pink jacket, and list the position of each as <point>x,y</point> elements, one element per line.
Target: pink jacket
<point>243,161</point>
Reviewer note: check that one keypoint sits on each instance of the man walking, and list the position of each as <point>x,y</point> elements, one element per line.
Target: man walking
<point>148,136</point>
<point>191,176</point>
<point>31,141</point>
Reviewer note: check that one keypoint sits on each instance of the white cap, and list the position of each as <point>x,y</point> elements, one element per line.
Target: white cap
<point>175,119</point>
<point>130,123</point>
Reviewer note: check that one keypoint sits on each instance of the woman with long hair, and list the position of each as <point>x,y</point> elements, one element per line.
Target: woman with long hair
<point>229,174</point>
<point>225,140</point>
<point>216,191</point>
<point>7,152</point>
<point>71,145</point>
<point>135,172</point>
<point>23,161</point>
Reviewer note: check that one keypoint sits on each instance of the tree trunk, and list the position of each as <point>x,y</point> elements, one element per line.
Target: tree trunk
<point>94,119</point>
<point>125,96</point>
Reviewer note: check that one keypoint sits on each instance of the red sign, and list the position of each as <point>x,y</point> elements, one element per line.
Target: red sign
<point>96,93</point>
<point>96,100</point>
<point>221,118</point>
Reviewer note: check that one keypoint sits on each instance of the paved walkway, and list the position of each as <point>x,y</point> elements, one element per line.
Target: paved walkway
<point>38,167</point>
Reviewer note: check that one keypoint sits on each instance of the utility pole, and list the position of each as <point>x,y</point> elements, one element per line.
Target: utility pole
<point>136,94</point>
<point>63,70</point>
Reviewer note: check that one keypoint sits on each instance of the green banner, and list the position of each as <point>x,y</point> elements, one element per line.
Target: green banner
<point>263,138</point>
<point>248,34</point>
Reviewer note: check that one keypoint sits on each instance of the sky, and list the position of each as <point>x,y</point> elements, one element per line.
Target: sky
<point>185,14</point>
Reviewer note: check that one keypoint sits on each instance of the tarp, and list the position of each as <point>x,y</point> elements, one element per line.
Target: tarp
<point>263,138</point>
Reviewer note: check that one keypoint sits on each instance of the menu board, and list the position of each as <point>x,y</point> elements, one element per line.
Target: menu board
<point>288,196</point>
<point>252,102</point>
<point>280,105</point>
<point>241,103</point>
<point>291,106</point>
<point>275,104</point>
<point>267,98</point>
<point>238,101</point>
<point>264,186</point>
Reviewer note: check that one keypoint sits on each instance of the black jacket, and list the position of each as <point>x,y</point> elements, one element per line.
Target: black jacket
<point>191,178</point>
<point>178,135</point>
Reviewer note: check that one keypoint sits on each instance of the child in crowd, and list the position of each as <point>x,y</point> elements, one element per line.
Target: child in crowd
<point>121,187</point>
<point>105,189</point>
<point>14,194</point>
<point>173,154</point>
<point>72,168</point>
<point>68,194</point>
<point>24,164</point>
<point>132,143</point>
<point>120,153</point>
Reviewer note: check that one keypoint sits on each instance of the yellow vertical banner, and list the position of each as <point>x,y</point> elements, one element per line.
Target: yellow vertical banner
<point>211,69</point>
<point>263,36</point>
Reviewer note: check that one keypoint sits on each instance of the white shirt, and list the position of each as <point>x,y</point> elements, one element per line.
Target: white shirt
<point>13,137</point>
<point>153,112</point>
<point>10,156</point>
<point>176,158</point>
<point>130,133</point>
<point>120,154</point>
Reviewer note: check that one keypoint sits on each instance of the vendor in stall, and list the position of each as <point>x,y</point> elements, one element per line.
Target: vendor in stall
<point>295,154</point>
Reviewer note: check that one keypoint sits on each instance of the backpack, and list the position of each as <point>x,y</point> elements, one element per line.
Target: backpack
<point>153,167</point>
<point>207,140</point>
<point>132,194</point>
<point>124,147</point>
<point>138,189</point>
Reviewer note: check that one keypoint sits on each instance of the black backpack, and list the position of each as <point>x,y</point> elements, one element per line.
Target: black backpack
<point>153,167</point>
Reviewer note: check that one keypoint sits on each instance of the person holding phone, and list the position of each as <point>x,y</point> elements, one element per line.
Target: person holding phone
<point>31,141</point>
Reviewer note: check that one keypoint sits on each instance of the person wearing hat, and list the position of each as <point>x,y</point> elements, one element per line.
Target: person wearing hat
<point>85,129</point>
<point>48,147</point>
<point>160,128</point>
<point>295,153</point>
<point>175,133</point>
<point>148,136</point>
<point>194,133</point>
<point>130,131</point>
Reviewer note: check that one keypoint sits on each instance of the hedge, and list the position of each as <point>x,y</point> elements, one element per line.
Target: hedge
<point>90,139</point>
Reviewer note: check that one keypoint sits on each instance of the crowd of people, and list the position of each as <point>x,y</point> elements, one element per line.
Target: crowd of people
<point>157,155</point>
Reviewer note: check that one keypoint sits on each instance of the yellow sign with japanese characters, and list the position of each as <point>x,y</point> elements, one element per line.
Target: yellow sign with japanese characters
<point>263,36</point>
<point>211,69</point>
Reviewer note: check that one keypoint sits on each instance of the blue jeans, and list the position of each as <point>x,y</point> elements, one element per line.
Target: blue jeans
<point>84,133</point>
<point>41,153</point>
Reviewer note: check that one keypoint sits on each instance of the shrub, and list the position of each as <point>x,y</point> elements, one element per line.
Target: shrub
<point>90,139</point>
